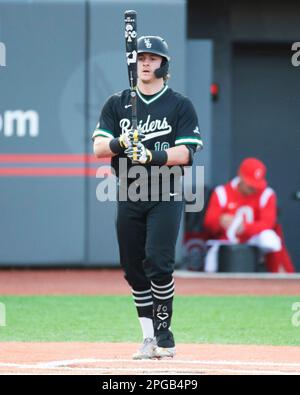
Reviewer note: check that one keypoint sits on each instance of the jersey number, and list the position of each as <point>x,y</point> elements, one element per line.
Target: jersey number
<point>161,146</point>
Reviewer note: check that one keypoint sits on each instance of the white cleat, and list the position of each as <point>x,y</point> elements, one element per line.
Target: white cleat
<point>162,352</point>
<point>147,349</point>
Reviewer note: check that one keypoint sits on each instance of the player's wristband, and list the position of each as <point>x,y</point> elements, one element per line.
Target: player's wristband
<point>158,158</point>
<point>115,146</point>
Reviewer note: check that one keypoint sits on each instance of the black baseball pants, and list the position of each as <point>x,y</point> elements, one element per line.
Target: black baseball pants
<point>147,234</point>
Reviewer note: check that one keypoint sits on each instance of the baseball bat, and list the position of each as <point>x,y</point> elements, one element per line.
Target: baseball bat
<point>131,55</point>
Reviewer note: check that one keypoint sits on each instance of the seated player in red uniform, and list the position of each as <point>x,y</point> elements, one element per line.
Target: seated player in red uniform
<point>245,211</point>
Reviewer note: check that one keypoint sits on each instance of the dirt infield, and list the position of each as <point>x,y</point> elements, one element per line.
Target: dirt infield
<point>114,358</point>
<point>111,282</point>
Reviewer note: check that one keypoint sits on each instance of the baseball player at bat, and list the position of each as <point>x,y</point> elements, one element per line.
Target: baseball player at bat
<point>147,230</point>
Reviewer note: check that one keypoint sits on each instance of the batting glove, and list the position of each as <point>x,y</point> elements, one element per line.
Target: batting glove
<point>131,137</point>
<point>139,153</point>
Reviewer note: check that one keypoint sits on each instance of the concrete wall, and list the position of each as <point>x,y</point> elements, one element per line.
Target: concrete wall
<point>199,67</point>
<point>42,216</point>
<point>62,61</point>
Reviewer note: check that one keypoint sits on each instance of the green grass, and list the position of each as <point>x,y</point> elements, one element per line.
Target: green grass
<point>197,319</point>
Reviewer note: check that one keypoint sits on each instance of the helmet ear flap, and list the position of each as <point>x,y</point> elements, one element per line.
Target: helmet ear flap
<point>162,71</point>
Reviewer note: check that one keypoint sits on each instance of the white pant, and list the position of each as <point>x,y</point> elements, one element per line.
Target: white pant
<point>267,241</point>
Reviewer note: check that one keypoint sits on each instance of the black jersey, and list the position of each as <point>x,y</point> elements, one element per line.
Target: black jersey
<point>167,119</point>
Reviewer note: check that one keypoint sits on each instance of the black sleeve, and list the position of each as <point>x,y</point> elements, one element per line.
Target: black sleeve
<point>188,132</point>
<point>107,123</point>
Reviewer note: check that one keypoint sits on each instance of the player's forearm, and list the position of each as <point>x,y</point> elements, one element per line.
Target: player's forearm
<point>102,148</point>
<point>178,155</point>
<point>267,220</point>
<point>254,228</point>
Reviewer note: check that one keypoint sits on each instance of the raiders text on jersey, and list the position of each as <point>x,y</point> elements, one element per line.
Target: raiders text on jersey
<point>167,118</point>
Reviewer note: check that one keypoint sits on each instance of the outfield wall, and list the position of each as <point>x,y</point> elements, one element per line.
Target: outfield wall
<point>61,60</point>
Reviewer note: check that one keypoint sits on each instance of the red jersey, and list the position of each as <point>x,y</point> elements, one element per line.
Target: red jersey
<point>258,211</point>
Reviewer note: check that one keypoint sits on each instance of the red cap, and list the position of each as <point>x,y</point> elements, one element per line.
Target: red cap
<point>253,173</point>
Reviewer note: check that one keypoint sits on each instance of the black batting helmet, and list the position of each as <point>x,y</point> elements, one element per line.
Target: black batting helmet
<point>157,46</point>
